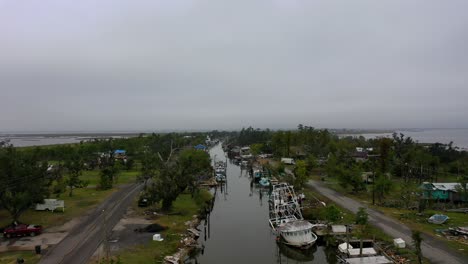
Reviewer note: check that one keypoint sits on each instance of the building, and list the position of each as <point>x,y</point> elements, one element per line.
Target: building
<point>451,191</point>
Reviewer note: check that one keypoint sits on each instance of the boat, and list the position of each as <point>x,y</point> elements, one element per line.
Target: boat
<point>220,171</point>
<point>257,174</point>
<point>264,182</point>
<point>220,178</point>
<point>286,218</point>
<point>351,253</point>
<point>438,219</point>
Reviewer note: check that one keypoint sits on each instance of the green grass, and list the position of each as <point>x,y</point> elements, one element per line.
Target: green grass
<point>94,177</point>
<point>82,200</point>
<point>186,207</point>
<point>10,257</point>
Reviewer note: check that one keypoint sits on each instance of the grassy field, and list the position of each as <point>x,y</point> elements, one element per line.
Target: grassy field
<point>93,176</point>
<point>82,200</point>
<point>11,257</point>
<point>184,208</point>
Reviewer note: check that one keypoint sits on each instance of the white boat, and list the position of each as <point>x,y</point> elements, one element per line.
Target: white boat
<point>286,218</point>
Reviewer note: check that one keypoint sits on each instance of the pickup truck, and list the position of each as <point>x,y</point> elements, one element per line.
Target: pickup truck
<point>22,230</point>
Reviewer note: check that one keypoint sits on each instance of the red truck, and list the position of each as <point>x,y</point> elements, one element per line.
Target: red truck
<point>22,230</point>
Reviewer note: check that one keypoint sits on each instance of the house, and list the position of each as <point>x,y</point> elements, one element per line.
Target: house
<point>443,191</point>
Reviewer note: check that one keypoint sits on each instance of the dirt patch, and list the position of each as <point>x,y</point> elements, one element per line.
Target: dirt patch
<point>130,231</point>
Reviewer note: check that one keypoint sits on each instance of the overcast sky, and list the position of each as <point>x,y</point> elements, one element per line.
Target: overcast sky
<point>90,65</point>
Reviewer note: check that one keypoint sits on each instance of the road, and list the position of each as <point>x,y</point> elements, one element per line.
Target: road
<point>83,240</point>
<point>433,249</point>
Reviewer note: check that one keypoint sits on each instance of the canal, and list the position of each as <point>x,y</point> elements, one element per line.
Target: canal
<point>237,229</point>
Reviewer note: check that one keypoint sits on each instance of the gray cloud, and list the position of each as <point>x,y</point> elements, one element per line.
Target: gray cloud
<point>131,65</point>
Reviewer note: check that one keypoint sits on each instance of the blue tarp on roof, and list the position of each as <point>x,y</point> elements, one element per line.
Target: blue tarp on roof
<point>200,146</point>
<point>119,151</point>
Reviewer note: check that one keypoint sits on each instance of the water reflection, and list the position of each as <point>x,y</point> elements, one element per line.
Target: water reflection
<point>236,230</point>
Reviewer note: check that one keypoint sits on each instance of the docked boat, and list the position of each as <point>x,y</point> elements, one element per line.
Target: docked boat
<point>220,171</point>
<point>286,218</point>
<point>352,253</point>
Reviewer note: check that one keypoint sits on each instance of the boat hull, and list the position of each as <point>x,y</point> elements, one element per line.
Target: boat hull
<point>304,245</point>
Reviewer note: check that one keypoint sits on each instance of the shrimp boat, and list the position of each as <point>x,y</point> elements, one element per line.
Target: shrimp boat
<point>220,171</point>
<point>286,218</point>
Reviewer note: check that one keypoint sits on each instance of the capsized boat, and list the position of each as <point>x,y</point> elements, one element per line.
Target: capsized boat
<point>438,219</point>
<point>286,218</point>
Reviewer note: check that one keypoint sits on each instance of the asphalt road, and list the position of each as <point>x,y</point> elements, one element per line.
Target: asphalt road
<point>433,249</point>
<point>83,240</point>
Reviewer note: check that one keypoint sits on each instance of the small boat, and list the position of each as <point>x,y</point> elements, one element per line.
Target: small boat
<point>264,182</point>
<point>438,219</point>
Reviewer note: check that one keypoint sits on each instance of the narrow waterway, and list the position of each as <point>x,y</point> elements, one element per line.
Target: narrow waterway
<point>237,229</point>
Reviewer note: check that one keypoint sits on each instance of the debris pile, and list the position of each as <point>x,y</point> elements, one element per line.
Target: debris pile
<point>188,241</point>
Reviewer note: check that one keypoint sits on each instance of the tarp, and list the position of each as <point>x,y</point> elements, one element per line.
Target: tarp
<point>200,146</point>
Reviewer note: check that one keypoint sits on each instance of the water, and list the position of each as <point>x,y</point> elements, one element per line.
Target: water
<point>238,230</point>
<point>458,136</point>
<point>25,140</point>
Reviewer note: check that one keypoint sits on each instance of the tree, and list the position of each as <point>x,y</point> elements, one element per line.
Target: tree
<point>409,194</point>
<point>362,217</point>
<point>463,187</point>
<point>300,174</point>
<point>350,177</point>
<point>23,180</point>
<point>311,163</point>
<point>332,213</point>
<point>175,176</point>
<point>74,165</point>
<point>256,149</point>
<point>417,241</point>
<point>382,186</point>
<point>385,145</point>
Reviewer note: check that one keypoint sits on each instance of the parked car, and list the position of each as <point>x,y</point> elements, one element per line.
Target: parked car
<point>22,230</point>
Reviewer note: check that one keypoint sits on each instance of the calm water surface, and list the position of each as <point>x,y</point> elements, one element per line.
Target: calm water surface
<point>459,137</point>
<point>237,230</point>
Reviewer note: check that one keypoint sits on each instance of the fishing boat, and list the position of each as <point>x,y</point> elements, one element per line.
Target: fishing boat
<point>220,171</point>
<point>286,218</point>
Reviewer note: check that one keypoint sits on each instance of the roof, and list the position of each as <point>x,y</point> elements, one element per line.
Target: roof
<point>447,186</point>
<point>338,228</point>
<point>296,226</point>
<point>119,151</point>
<point>200,146</point>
